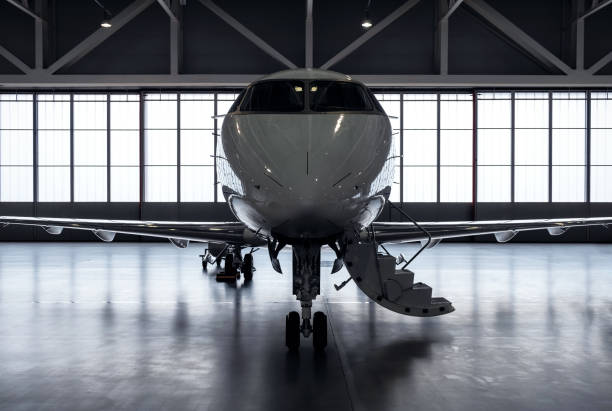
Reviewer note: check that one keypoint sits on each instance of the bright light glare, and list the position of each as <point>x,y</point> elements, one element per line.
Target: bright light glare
<point>106,24</point>
<point>366,24</point>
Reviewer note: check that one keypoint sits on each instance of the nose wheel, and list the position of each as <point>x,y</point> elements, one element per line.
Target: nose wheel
<point>293,329</point>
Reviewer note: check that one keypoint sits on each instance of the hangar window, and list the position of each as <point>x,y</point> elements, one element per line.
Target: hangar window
<point>420,147</point>
<point>494,147</point>
<point>274,96</point>
<point>601,147</point>
<point>456,135</point>
<point>90,147</point>
<point>568,146</point>
<point>338,96</point>
<point>124,147</point>
<point>16,147</point>
<point>54,144</point>
<point>160,160</point>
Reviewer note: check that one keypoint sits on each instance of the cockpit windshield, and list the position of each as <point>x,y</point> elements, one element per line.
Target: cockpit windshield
<point>338,96</point>
<point>274,96</point>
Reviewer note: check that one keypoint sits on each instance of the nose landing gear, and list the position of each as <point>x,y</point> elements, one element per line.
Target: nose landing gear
<point>306,279</point>
<point>318,329</point>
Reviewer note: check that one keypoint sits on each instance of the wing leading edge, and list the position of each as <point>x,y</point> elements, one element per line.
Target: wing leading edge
<point>228,232</point>
<point>503,230</point>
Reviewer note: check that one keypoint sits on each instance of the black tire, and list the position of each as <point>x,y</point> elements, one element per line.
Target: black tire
<point>292,330</point>
<point>247,267</point>
<point>319,331</point>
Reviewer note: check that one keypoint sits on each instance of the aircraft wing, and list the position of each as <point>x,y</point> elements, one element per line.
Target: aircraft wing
<point>179,233</point>
<point>503,230</point>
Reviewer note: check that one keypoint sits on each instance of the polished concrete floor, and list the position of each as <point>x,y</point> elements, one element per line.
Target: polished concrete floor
<point>95,326</point>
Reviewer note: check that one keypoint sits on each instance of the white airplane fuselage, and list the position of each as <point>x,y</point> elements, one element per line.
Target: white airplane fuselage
<point>306,175</point>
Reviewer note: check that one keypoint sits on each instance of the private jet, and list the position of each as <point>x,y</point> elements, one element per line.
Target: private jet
<point>305,159</point>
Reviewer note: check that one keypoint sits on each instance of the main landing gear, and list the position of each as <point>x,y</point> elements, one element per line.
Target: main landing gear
<point>306,279</point>
<point>234,264</point>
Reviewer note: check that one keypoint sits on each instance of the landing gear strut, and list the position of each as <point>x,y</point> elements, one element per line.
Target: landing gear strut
<point>306,279</point>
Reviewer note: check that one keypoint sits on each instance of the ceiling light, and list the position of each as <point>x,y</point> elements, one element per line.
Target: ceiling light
<point>366,23</point>
<point>106,24</point>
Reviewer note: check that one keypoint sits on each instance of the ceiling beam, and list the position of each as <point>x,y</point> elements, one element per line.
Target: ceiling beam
<point>43,80</point>
<point>176,38</point>
<point>308,46</point>
<point>452,6</point>
<point>168,9</point>
<point>518,36</point>
<point>255,39</point>
<point>601,63</point>
<point>14,60</point>
<point>377,28</point>
<point>23,7</point>
<point>597,6</point>
<point>100,35</point>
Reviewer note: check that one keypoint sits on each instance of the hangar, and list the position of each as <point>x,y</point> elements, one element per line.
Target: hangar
<point>419,189</point>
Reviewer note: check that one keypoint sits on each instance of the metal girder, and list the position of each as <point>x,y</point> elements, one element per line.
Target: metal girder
<point>377,28</point>
<point>176,38</point>
<point>255,39</point>
<point>168,9</point>
<point>597,6</point>
<point>452,6</point>
<point>601,63</point>
<point>97,37</point>
<point>308,45</point>
<point>23,7</point>
<point>14,60</point>
<point>518,36</point>
<point>44,80</point>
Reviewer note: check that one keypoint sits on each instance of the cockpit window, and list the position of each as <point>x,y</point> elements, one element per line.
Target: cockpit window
<point>270,96</point>
<point>338,96</point>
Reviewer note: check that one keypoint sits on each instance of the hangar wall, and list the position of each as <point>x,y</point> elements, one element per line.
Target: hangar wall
<point>408,46</point>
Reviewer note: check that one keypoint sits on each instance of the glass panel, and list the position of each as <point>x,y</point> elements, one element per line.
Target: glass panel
<point>197,147</point>
<point>54,148</point>
<point>90,184</point>
<point>125,115</point>
<point>420,184</point>
<point>456,184</point>
<point>530,113</point>
<point>420,147</point>
<point>125,148</point>
<point>125,184</point>
<point>16,115</point>
<point>601,147</point>
<point>568,113</point>
<point>456,115</point>
<point>456,147</point>
<point>494,147</point>
<point>54,184</point>
<point>160,183</point>
<point>16,147</point>
<point>279,96</point>
<point>89,148</point>
<point>601,186</point>
<point>161,114</point>
<point>16,183</point>
<point>531,147</point>
<point>197,183</point>
<point>197,114</point>
<point>160,147</point>
<point>54,116</point>
<point>421,115</point>
<point>531,184</point>
<point>568,147</point>
<point>494,113</point>
<point>494,184</point>
<point>338,96</point>
<point>90,115</point>
<point>568,184</point>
